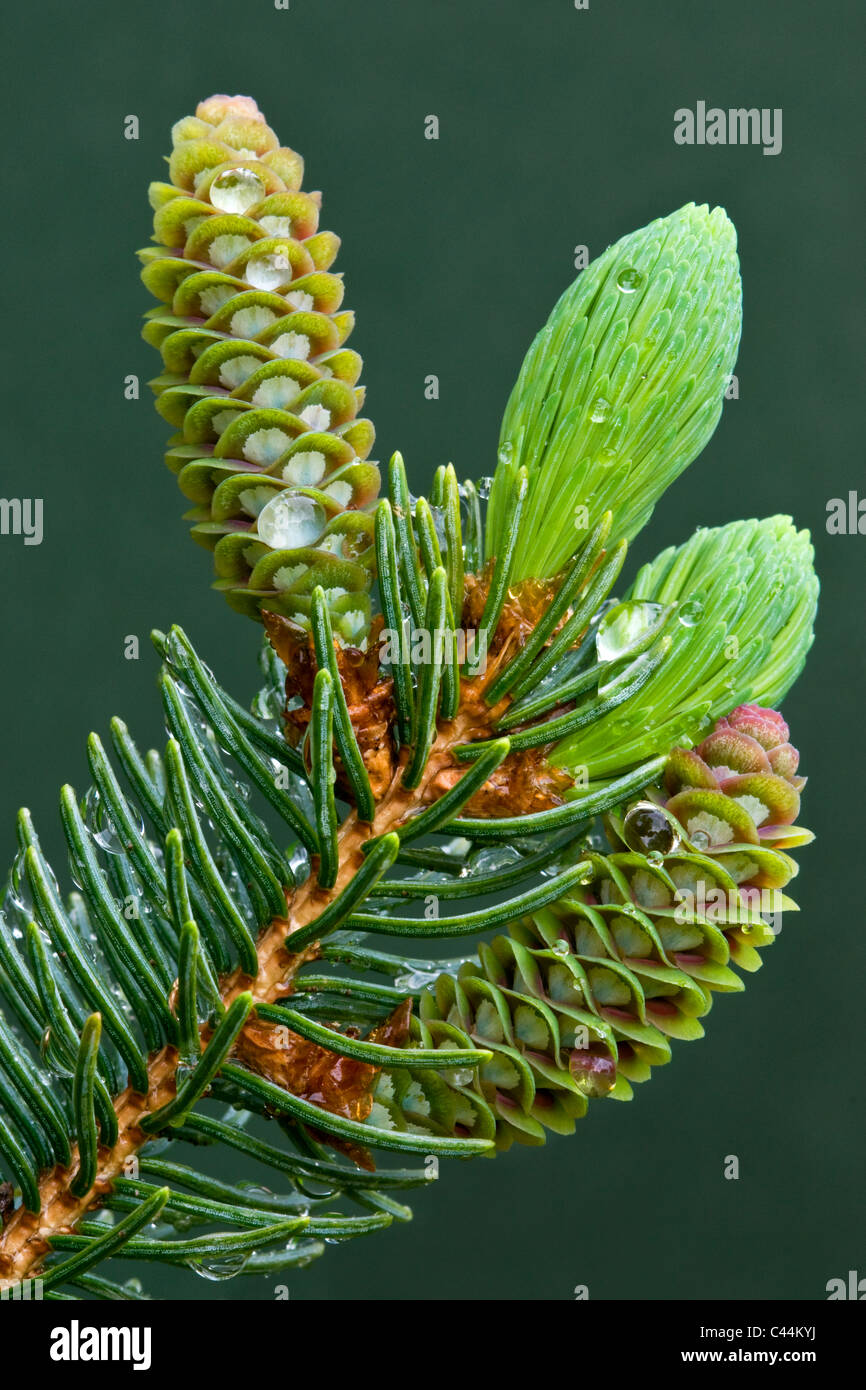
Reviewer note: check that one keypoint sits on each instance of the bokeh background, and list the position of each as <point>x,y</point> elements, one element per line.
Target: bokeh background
<point>556,129</point>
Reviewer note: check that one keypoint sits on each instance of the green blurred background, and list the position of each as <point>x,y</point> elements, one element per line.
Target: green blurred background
<point>556,130</point>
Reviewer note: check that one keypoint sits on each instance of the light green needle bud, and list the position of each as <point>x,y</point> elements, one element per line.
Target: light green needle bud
<point>737,604</point>
<point>622,388</point>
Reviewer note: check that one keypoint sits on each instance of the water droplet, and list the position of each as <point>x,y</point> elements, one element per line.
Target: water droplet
<point>629,280</point>
<point>594,1072</point>
<point>268,272</point>
<point>690,612</point>
<point>242,788</point>
<point>180,1222</point>
<point>460,1076</point>
<point>646,828</point>
<point>235,190</point>
<point>506,453</point>
<point>18,902</point>
<point>290,521</point>
<point>219,1268</point>
<point>267,706</point>
<point>600,410</point>
<point>55,1057</point>
<point>490,858</point>
<point>624,627</point>
<point>437,515</point>
<point>485,486</point>
<point>316,1190</point>
<point>656,858</point>
<point>417,979</point>
<point>700,840</point>
<point>102,827</point>
<point>561,948</point>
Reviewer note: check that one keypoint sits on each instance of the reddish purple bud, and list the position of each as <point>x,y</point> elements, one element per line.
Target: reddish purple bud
<point>765,725</point>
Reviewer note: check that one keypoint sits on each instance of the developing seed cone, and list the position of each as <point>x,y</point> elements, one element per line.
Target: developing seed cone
<point>583,998</point>
<point>257,379</point>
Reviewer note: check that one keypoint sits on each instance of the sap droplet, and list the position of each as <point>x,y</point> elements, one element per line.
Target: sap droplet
<point>235,190</point>
<point>629,280</point>
<point>290,521</point>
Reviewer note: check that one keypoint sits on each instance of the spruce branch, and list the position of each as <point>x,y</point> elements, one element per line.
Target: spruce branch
<point>456,710</point>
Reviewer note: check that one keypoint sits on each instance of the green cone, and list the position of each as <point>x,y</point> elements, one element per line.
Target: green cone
<point>257,379</point>
<point>622,388</point>
<point>581,999</point>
